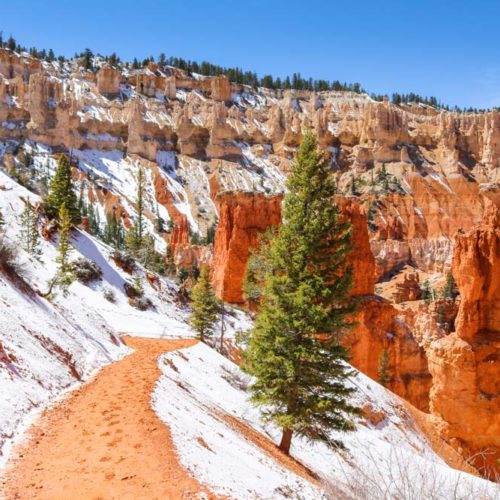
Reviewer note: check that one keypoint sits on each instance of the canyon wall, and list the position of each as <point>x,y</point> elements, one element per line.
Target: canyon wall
<point>409,178</point>
<point>465,365</point>
<point>242,218</point>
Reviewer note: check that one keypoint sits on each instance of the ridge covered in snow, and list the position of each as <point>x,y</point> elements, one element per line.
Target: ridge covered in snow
<point>201,394</point>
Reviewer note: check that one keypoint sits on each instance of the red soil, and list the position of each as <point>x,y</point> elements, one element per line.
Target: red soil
<point>104,441</point>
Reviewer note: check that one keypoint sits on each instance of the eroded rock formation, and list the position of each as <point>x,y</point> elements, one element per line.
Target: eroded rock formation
<point>242,218</point>
<point>466,364</point>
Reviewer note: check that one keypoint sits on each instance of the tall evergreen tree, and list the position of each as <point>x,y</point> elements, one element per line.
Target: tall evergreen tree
<point>135,235</point>
<point>140,206</point>
<point>61,192</point>
<point>294,350</point>
<point>64,276</point>
<point>2,221</point>
<point>30,239</point>
<point>449,290</point>
<point>205,307</point>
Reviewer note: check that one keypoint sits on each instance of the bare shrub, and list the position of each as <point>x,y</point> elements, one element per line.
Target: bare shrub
<point>86,270</point>
<point>402,476</point>
<point>109,295</point>
<point>141,303</point>
<point>132,290</point>
<point>124,261</point>
<point>10,265</point>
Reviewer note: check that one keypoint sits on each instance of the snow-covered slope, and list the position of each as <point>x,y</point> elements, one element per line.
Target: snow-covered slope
<point>201,393</point>
<point>46,346</point>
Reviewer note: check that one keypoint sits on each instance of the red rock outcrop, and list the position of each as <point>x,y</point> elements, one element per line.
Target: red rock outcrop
<point>379,327</point>
<point>361,257</point>
<point>108,81</point>
<point>408,289</point>
<point>242,217</point>
<point>465,365</point>
<point>146,137</point>
<point>221,88</point>
<point>180,234</point>
<point>12,64</point>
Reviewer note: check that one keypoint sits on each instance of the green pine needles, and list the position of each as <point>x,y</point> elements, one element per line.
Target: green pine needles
<point>205,307</point>
<point>61,192</point>
<point>64,276</point>
<point>294,350</point>
<point>30,239</point>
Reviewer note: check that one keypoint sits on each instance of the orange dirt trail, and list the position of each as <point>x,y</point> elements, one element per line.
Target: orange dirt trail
<point>104,441</point>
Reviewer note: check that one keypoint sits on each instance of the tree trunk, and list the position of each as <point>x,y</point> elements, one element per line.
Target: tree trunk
<point>286,441</point>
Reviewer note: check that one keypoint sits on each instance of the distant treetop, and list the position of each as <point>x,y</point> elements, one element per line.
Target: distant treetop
<point>234,74</point>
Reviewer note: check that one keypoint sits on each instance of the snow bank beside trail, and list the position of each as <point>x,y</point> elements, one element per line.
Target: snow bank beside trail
<point>48,346</point>
<point>385,460</point>
<point>45,349</point>
<point>217,455</point>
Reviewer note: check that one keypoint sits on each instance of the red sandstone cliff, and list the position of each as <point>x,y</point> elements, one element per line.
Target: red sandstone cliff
<point>242,217</point>
<point>465,365</point>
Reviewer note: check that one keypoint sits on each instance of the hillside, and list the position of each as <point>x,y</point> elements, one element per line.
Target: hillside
<point>421,187</point>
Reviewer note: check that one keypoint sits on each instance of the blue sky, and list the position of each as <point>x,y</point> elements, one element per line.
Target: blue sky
<point>446,48</point>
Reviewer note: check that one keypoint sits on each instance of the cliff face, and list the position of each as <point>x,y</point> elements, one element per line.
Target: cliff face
<point>242,217</point>
<point>466,364</point>
<point>421,173</point>
<point>378,328</point>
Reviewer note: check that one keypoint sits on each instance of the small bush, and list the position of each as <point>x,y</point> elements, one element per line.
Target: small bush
<point>141,303</point>
<point>124,261</point>
<point>9,258</point>
<point>86,270</point>
<point>109,295</point>
<point>10,265</point>
<point>132,291</point>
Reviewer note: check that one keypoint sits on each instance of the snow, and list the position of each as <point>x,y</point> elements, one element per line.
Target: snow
<point>199,389</point>
<point>12,125</point>
<point>437,178</point>
<point>166,160</point>
<point>49,345</point>
<point>418,212</point>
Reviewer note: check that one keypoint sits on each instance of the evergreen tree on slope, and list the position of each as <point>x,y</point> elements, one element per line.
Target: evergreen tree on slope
<point>61,192</point>
<point>294,349</point>
<point>205,307</point>
<point>30,240</point>
<point>64,276</point>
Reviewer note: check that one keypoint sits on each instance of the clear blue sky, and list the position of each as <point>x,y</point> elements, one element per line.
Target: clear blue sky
<point>446,48</point>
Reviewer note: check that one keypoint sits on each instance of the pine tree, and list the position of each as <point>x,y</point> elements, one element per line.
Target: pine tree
<point>87,60</point>
<point>94,221</point>
<point>256,270</point>
<point>134,236</point>
<point>383,368</point>
<point>2,221</point>
<point>61,192</point>
<point>426,292</point>
<point>113,232</point>
<point>64,276</point>
<point>30,240</point>
<point>205,307</point>
<point>140,206</point>
<point>449,290</point>
<point>294,349</point>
